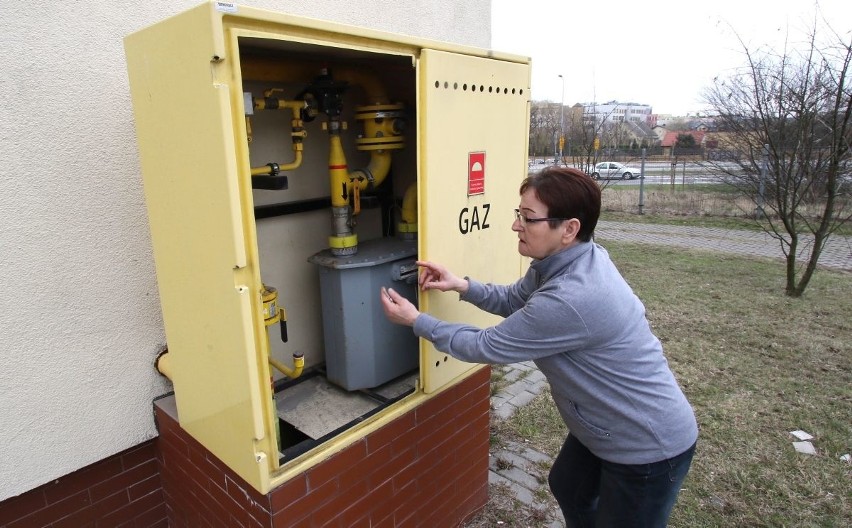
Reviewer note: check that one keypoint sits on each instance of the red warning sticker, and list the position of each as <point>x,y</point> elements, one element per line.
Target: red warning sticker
<point>475,173</point>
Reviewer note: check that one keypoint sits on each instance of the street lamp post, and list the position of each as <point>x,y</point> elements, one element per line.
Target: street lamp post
<point>562,121</point>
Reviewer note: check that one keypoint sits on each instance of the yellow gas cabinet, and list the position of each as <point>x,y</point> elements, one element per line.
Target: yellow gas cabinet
<point>291,168</point>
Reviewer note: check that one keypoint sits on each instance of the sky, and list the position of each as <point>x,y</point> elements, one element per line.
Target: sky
<point>661,53</point>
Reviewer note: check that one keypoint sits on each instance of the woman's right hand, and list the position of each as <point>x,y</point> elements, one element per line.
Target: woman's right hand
<point>436,277</point>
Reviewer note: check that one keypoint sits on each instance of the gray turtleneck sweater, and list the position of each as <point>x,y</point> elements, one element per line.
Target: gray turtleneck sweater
<point>574,315</point>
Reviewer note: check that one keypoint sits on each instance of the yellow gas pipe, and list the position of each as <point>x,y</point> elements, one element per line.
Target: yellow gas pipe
<point>272,314</point>
<point>295,372</point>
<point>408,224</point>
<point>382,132</point>
<point>163,364</point>
<point>383,126</point>
<point>297,133</point>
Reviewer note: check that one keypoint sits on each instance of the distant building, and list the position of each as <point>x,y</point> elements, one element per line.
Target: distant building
<point>616,112</point>
<point>670,139</point>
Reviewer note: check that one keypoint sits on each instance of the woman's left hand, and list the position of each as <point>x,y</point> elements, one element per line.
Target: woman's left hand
<point>397,308</point>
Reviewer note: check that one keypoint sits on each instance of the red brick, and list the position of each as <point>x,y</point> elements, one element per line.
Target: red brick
<point>435,405</point>
<point>187,501</point>
<point>169,454</point>
<point>339,504</point>
<point>408,521</point>
<point>468,417</point>
<point>109,504</point>
<point>362,506</point>
<point>123,480</point>
<point>388,522</point>
<point>473,504</point>
<point>470,437</point>
<point>474,474</point>
<point>176,519</point>
<point>255,504</point>
<point>301,523</point>
<point>195,477</point>
<point>438,456</point>
<point>248,523</point>
<point>218,503</point>
<point>434,508</point>
<point>361,469</point>
<point>215,471</point>
<point>436,435</point>
<point>144,487</point>
<point>337,464</point>
<point>407,439</point>
<point>171,431</point>
<point>476,386</point>
<point>391,432</point>
<point>81,479</point>
<point>481,378</point>
<point>150,518</point>
<point>312,501</point>
<point>405,478</point>
<point>363,522</point>
<point>397,464</point>
<point>234,481</point>
<point>285,494</point>
<point>220,470</point>
<point>53,512</point>
<point>22,505</point>
<point>128,513</point>
<point>138,455</point>
<point>154,515</point>
<point>383,503</point>
<point>84,517</point>
<point>406,503</point>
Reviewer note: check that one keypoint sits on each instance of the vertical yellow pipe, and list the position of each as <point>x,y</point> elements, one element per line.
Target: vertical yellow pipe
<point>338,173</point>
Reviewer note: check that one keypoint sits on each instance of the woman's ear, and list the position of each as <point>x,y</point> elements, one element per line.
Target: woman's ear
<point>572,228</point>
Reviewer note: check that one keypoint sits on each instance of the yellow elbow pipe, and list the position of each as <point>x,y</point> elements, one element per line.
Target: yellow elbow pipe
<point>269,170</point>
<point>297,133</point>
<point>409,211</point>
<point>292,373</point>
<point>375,172</point>
<point>382,134</point>
<point>409,205</point>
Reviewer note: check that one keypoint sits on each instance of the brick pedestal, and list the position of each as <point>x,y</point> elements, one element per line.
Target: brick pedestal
<point>428,467</point>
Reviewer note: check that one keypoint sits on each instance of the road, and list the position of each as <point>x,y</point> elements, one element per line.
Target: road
<point>660,172</point>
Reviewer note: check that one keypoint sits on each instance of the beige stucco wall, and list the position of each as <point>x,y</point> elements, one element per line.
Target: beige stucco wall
<point>80,322</point>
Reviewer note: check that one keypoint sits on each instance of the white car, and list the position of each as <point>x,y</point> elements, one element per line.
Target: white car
<point>611,169</point>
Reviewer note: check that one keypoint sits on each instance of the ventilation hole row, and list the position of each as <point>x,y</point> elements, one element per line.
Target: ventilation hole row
<point>479,88</point>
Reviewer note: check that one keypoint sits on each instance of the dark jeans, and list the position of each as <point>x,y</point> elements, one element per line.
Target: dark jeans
<point>595,493</point>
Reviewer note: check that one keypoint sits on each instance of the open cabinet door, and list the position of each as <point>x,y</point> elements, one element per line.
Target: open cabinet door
<point>474,128</point>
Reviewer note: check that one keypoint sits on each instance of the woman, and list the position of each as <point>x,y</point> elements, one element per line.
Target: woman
<point>632,432</point>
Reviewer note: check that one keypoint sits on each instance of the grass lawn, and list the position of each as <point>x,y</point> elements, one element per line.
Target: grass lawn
<point>755,365</point>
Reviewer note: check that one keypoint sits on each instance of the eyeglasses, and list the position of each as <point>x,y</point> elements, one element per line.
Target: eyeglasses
<point>524,220</point>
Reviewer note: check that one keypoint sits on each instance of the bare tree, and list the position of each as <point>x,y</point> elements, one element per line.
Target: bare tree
<point>587,132</point>
<point>789,114</point>
<point>544,127</point>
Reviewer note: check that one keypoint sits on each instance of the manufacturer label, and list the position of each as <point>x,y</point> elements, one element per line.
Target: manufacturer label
<point>226,7</point>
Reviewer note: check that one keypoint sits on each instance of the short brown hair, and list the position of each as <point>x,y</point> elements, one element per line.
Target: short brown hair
<point>567,193</point>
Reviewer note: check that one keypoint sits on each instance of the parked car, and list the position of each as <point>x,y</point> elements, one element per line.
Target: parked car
<point>611,169</point>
